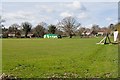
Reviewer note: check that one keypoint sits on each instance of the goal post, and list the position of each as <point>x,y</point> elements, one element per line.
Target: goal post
<point>115,36</point>
<point>119,34</point>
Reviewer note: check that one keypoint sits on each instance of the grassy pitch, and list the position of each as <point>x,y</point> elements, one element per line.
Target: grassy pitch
<point>72,58</point>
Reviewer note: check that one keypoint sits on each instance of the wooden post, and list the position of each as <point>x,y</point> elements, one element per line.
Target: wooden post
<point>118,28</point>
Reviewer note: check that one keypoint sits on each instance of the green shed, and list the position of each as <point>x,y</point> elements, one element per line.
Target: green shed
<point>50,36</point>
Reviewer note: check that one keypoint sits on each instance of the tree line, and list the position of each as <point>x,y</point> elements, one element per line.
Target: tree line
<point>68,26</point>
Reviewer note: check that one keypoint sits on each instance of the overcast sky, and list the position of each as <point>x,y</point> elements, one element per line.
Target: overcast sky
<point>87,13</point>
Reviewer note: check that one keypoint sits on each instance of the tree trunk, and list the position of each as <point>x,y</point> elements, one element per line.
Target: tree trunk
<point>118,28</point>
<point>26,34</point>
<point>70,35</point>
<point>15,33</point>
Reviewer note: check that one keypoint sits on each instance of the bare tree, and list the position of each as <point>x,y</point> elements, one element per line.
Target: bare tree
<point>111,27</point>
<point>4,32</point>
<point>1,25</point>
<point>81,30</point>
<point>59,32</point>
<point>39,30</point>
<point>117,26</point>
<point>14,28</point>
<point>26,27</point>
<point>1,21</point>
<point>95,28</point>
<point>52,29</point>
<point>69,25</point>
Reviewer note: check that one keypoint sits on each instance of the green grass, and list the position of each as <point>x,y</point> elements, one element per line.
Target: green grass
<point>28,58</point>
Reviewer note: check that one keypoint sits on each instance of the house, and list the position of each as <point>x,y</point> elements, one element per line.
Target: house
<point>29,35</point>
<point>11,35</point>
<point>1,35</point>
<point>101,32</point>
<point>87,33</point>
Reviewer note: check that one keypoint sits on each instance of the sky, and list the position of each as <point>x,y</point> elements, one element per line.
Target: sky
<point>86,13</point>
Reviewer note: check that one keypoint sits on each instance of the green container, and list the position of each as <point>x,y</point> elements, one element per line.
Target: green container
<point>50,36</point>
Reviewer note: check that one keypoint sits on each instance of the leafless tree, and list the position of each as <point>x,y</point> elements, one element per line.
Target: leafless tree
<point>14,28</point>
<point>39,30</point>
<point>69,25</point>
<point>26,27</point>
<point>81,30</point>
<point>1,20</point>
<point>52,29</point>
<point>1,25</point>
<point>95,28</point>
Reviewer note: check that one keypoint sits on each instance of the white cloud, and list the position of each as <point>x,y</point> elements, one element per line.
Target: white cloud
<point>1,10</point>
<point>83,15</point>
<point>77,5</point>
<point>86,13</point>
<point>66,14</point>
<point>20,15</point>
<point>109,19</point>
<point>89,25</point>
<point>45,8</point>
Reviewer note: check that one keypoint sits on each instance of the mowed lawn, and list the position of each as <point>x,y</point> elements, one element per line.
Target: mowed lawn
<point>72,58</point>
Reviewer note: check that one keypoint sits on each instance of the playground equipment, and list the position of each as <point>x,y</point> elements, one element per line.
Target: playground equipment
<point>104,40</point>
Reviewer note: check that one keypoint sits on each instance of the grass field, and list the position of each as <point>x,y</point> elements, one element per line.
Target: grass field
<point>28,58</point>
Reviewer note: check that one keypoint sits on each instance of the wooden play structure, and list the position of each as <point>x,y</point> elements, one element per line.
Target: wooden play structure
<point>106,39</point>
